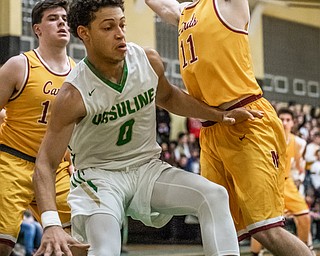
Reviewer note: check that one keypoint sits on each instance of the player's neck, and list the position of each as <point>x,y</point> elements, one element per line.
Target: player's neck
<point>56,60</point>
<point>112,71</point>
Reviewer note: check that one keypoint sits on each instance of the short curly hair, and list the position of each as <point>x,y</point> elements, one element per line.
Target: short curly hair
<point>82,12</point>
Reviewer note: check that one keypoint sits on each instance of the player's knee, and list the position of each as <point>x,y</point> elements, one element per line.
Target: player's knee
<point>5,250</point>
<point>218,194</point>
<point>270,234</point>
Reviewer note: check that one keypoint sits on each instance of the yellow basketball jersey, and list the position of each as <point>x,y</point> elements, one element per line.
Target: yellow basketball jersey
<point>215,60</point>
<point>290,154</point>
<point>28,111</point>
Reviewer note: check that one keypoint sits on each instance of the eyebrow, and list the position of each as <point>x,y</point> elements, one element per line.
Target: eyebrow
<point>55,15</point>
<point>112,19</point>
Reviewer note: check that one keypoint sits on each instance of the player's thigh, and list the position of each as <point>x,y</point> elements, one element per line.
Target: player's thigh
<point>16,192</point>
<point>62,192</point>
<point>180,192</point>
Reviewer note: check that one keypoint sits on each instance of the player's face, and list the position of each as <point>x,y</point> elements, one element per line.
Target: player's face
<point>106,35</point>
<point>287,122</point>
<point>53,27</point>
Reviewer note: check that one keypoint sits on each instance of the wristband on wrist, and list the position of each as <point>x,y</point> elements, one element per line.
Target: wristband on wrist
<point>50,218</point>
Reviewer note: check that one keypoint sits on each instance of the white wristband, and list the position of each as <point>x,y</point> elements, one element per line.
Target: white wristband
<point>50,218</point>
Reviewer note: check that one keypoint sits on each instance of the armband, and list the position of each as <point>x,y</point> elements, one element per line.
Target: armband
<point>50,218</point>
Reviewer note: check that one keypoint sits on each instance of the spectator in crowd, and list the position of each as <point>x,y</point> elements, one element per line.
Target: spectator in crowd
<point>193,127</point>
<point>163,125</point>
<point>182,147</point>
<point>315,173</point>
<point>311,149</point>
<point>167,153</point>
<point>30,233</point>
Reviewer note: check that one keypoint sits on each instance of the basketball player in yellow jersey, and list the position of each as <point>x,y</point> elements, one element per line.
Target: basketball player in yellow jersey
<point>28,85</point>
<point>295,204</point>
<point>247,159</point>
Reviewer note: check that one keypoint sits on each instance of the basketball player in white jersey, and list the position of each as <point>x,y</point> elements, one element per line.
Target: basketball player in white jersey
<point>105,111</point>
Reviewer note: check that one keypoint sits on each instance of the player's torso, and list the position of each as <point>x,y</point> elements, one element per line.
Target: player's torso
<point>215,61</point>
<point>119,127</point>
<point>28,111</point>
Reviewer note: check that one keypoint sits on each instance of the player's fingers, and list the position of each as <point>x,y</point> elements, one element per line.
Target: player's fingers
<point>39,252</point>
<point>229,120</point>
<point>63,249</point>
<point>256,113</point>
<point>48,250</point>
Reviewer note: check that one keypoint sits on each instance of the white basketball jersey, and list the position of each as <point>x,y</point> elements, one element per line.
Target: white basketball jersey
<point>119,129</point>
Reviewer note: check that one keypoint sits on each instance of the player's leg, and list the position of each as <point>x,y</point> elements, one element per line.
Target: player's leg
<point>15,194</point>
<point>103,234</point>
<point>281,242</point>
<point>255,247</point>
<point>303,224</point>
<point>5,249</point>
<point>296,204</point>
<point>178,192</point>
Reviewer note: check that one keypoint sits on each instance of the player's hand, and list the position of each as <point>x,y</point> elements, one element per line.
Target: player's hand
<point>239,115</point>
<point>55,241</point>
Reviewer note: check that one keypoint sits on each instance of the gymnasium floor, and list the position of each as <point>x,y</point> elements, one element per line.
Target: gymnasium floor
<point>180,250</point>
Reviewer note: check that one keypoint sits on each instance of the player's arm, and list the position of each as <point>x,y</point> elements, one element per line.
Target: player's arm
<point>11,78</point>
<point>55,240</point>
<point>180,103</point>
<point>168,10</point>
<point>299,161</point>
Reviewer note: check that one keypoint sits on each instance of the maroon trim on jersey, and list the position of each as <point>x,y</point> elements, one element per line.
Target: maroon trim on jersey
<point>25,82</point>
<point>240,104</point>
<point>192,5</point>
<point>245,101</point>
<point>222,21</point>
<point>48,69</point>
<point>300,214</point>
<point>253,231</point>
<point>7,242</point>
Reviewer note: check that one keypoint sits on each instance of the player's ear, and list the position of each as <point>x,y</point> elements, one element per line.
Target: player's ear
<point>82,32</point>
<point>36,30</point>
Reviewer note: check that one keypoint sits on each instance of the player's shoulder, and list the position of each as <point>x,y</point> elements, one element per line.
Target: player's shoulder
<point>14,67</point>
<point>16,61</point>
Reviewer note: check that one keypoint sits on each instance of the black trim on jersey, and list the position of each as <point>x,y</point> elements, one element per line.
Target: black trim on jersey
<point>17,153</point>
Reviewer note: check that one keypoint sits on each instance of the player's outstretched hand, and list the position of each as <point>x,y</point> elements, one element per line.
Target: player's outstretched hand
<point>55,241</point>
<point>239,115</point>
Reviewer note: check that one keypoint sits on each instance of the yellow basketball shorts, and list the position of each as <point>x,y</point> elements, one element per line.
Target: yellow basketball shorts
<point>248,160</point>
<point>17,195</point>
<point>294,202</point>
